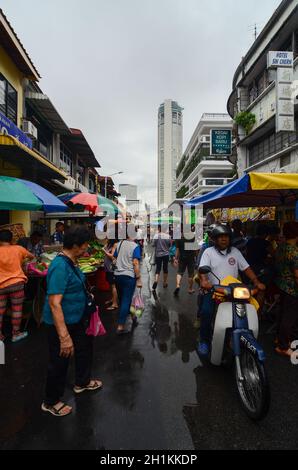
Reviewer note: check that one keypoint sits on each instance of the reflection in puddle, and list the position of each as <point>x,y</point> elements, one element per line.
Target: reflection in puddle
<point>172,332</point>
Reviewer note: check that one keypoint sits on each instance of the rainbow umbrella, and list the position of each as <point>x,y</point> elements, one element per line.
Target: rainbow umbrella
<point>94,203</point>
<point>22,195</point>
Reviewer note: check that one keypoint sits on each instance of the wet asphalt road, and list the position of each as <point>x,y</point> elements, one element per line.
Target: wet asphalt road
<point>157,395</point>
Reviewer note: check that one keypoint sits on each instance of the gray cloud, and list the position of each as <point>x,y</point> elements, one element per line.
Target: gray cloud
<point>108,64</point>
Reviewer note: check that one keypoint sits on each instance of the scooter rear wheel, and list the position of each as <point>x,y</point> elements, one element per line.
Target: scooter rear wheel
<point>253,390</point>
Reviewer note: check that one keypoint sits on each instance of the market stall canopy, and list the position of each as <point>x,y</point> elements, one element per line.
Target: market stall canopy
<point>253,190</point>
<point>18,194</point>
<point>94,203</point>
<point>78,143</point>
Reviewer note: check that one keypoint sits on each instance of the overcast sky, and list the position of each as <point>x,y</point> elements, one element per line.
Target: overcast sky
<point>108,64</point>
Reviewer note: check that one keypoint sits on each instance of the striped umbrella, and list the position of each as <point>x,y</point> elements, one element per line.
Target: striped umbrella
<point>18,194</point>
<point>94,203</point>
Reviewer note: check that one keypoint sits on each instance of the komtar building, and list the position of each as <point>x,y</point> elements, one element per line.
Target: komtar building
<point>170,142</point>
<point>264,97</point>
<point>199,172</point>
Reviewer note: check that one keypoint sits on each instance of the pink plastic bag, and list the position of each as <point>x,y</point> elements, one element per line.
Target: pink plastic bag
<point>95,327</point>
<point>137,305</point>
<point>33,268</point>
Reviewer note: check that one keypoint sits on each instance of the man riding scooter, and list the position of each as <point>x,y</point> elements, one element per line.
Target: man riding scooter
<point>224,260</point>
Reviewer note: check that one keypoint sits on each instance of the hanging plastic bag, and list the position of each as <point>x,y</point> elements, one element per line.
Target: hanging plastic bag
<point>38,269</point>
<point>95,327</point>
<point>137,306</point>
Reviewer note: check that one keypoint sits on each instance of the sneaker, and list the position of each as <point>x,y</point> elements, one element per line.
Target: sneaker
<point>19,337</point>
<point>203,349</point>
<point>154,286</point>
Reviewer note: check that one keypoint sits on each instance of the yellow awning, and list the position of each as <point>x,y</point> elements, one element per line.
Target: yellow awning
<point>18,154</point>
<point>261,181</point>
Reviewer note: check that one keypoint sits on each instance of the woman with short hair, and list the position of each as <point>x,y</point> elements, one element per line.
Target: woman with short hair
<point>65,317</point>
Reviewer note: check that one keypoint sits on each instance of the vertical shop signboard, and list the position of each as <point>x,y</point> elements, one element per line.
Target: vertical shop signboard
<point>283,62</point>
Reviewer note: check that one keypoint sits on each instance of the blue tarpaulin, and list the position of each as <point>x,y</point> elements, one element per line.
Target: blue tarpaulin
<point>252,190</point>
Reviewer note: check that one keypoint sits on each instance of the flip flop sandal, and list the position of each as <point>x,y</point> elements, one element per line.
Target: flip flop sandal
<point>54,411</point>
<point>284,352</point>
<point>96,386</point>
<point>111,309</point>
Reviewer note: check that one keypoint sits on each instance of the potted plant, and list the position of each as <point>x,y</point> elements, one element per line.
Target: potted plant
<point>246,120</point>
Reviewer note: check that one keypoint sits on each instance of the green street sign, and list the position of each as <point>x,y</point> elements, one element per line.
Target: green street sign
<point>221,142</point>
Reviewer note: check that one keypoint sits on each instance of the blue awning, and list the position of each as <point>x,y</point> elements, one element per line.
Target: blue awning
<point>246,192</point>
<point>231,189</point>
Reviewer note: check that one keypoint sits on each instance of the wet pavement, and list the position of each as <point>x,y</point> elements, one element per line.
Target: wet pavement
<point>157,395</point>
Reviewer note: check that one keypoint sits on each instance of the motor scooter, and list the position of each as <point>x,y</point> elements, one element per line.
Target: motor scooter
<point>234,339</point>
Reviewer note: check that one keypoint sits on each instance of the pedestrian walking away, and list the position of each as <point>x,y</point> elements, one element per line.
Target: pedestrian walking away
<point>128,276</point>
<point>186,253</point>
<point>162,244</point>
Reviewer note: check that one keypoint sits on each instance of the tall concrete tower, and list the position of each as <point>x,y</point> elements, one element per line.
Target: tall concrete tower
<point>170,142</point>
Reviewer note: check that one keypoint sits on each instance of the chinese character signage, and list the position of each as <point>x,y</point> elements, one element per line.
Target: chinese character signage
<point>285,120</point>
<point>221,142</point>
<point>7,127</point>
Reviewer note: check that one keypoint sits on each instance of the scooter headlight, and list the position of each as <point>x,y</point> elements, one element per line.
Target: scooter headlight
<point>241,293</point>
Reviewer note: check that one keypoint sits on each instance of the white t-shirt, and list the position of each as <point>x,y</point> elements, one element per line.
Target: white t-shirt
<point>227,264</point>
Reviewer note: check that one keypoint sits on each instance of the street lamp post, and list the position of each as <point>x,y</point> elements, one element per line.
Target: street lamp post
<point>106,181</point>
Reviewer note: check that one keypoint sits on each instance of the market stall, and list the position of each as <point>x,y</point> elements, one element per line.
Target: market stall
<point>21,195</point>
<point>255,190</point>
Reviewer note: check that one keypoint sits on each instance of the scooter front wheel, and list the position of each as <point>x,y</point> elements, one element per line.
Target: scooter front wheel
<point>252,385</point>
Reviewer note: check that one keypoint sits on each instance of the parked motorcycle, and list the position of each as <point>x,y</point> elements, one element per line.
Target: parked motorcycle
<point>235,333</point>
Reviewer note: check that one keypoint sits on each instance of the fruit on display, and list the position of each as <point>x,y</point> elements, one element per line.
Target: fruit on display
<point>90,263</point>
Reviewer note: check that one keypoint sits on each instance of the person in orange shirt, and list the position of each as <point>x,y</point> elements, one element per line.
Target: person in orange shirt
<point>12,282</point>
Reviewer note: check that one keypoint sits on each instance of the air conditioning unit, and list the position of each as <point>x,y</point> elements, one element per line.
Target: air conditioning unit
<point>29,129</point>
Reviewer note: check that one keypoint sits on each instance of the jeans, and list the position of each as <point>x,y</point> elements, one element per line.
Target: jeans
<point>207,312</point>
<point>125,287</point>
<point>57,368</point>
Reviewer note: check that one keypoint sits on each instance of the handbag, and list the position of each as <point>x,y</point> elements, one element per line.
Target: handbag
<point>114,262</point>
<point>90,306</point>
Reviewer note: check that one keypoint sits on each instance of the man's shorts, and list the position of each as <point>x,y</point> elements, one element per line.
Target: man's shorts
<point>162,261</point>
<point>187,263</point>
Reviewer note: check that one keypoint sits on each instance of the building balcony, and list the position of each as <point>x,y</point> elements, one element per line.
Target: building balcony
<point>207,185</point>
<point>208,167</point>
<point>264,108</point>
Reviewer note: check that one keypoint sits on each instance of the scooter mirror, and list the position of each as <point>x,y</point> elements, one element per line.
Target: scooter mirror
<point>205,270</point>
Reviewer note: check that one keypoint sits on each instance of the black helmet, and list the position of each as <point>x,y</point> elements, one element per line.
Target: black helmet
<point>221,230</point>
<point>210,229</point>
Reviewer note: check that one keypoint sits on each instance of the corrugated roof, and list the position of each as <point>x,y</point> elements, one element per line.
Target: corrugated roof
<point>8,45</point>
